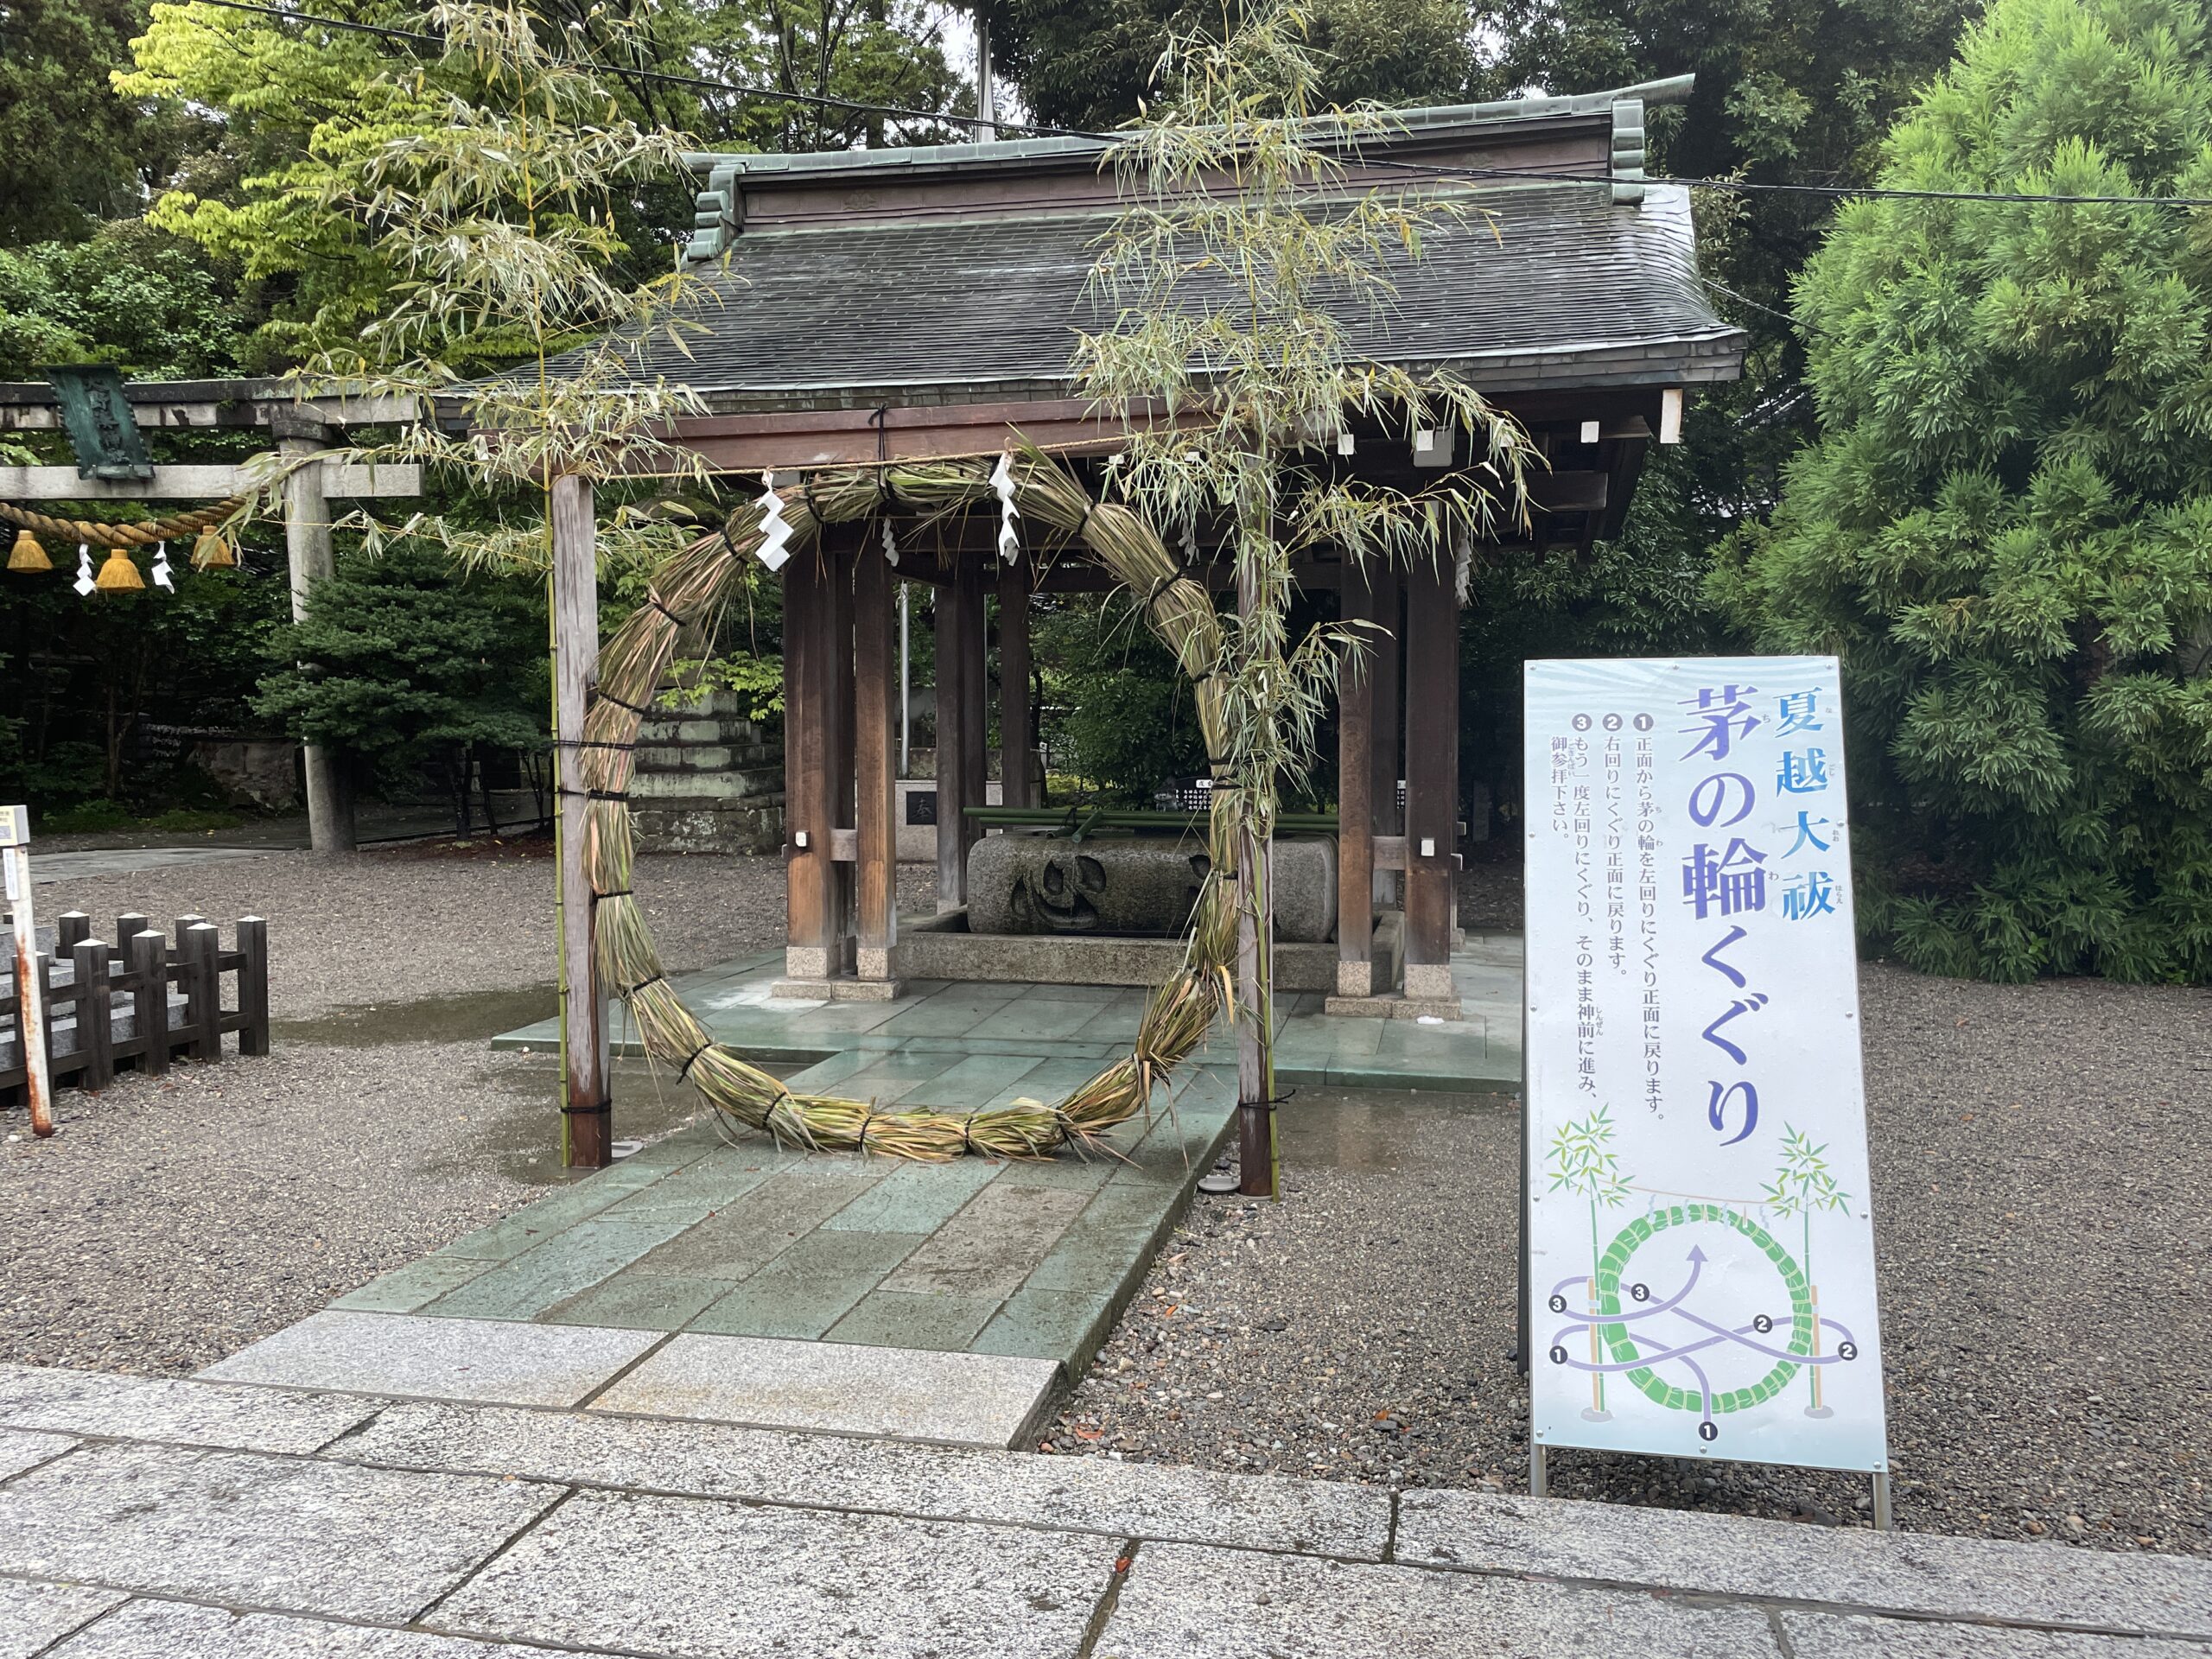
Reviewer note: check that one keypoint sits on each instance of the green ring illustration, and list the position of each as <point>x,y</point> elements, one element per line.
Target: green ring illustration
<point>1640,1232</point>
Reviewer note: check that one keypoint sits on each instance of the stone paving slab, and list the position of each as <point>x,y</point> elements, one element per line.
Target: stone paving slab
<point>35,1615</point>
<point>843,1388</point>
<point>164,1409</point>
<point>1121,1500</point>
<point>1832,1635</point>
<point>1956,1577</point>
<point>1044,1023</point>
<point>705,1580</point>
<point>440,1358</point>
<point>20,1449</point>
<point>244,1528</point>
<point>182,1629</point>
<point>1182,1602</point>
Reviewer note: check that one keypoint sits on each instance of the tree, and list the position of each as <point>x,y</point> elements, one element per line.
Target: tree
<point>2005,529</point>
<point>70,151</point>
<point>1129,719</point>
<point>127,296</point>
<point>1228,365</point>
<point>1085,64</point>
<point>403,663</point>
<point>306,108</point>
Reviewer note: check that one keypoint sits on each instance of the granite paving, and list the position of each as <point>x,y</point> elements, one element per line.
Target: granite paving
<point>33,1616</point>
<point>1957,1577</point>
<point>683,1576</point>
<point>162,1409</point>
<point>960,1398</point>
<point>178,1630</point>
<point>259,1530</point>
<point>443,1359</point>
<point>701,1460</point>
<point>1182,1602</point>
<point>20,1450</point>
<point>454,1530</point>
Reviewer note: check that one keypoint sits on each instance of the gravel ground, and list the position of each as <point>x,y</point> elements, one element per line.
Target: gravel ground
<point>2043,1164</point>
<point>174,1220</point>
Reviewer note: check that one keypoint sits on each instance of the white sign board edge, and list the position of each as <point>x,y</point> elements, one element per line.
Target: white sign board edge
<point>1695,1291</point>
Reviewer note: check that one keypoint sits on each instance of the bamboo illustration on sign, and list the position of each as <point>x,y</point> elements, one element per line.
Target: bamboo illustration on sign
<point>1582,1162</point>
<point>1802,1185</point>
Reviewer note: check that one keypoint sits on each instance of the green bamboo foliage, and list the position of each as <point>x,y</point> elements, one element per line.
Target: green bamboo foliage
<point>684,595</point>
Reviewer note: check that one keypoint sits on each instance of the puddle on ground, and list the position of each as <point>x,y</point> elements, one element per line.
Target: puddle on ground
<point>425,1019</point>
<point>522,1127</point>
<point>1330,1128</point>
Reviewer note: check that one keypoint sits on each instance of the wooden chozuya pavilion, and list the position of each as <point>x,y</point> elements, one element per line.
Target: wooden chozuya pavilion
<point>913,304</point>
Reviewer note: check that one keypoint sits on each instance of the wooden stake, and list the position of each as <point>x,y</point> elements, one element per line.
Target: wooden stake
<point>30,982</point>
<point>1355,795</point>
<point>588,1141</point>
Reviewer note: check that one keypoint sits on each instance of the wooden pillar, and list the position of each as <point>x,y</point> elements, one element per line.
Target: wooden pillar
<point>308,551</point>
<point>1356,771</point>
<point>810,723</point>
<point>875,709</point>
<point>1016,739</point>
<point>839,544</point>
<point>1432,776</point>
<point>959,725</point>
<point>1386,722</point>
<point>587,1141</point>
<point>970,584</point>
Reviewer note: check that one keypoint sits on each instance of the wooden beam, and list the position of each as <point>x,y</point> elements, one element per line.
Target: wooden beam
<point>1356,794</point>
<point>587,1140</point>
<point>199,483</point>
<point>875,713</point>
<point>1432,774</point>
<point>1016,739</point>
<point>1387,723</point>
<point>809,884</point>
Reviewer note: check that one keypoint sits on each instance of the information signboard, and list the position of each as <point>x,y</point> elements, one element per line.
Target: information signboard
<point>1701,1262</point>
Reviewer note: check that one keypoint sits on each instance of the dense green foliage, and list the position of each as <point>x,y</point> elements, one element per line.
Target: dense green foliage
<point>1090,63</point>
<point>127,296</point>
<point>1119,710</point>
<point>408,665</point>
<point>78,680</point>
<point>2005,529</point>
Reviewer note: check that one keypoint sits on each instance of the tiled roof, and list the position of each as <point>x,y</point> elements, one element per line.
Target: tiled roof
<point>1572,288</point>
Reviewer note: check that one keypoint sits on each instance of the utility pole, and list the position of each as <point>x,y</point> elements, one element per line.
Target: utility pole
<point>987,100</point>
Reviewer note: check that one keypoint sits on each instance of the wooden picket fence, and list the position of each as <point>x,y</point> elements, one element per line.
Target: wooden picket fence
<point>143,1001</point>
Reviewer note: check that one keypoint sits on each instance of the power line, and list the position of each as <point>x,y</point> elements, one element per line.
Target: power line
<point>1435,169</point>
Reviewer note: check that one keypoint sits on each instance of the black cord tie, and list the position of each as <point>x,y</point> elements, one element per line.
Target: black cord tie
<point>601,693</point>
<point>595,794</point>
<point>620,892</point>
<point>593,743</point>
<point>653,600</point>
<point>684,1071</point>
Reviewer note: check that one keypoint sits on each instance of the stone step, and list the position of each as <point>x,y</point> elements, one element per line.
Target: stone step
<point>201,1519</point>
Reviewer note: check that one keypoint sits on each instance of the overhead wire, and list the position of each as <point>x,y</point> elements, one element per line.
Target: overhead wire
<point>1438,169</point>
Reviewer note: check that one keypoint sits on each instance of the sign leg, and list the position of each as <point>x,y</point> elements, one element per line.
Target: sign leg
<point>1539,1476</point>
<point>1884,1522</point>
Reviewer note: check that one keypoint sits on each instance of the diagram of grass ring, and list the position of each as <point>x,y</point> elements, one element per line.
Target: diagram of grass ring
<point>1638,1316</point>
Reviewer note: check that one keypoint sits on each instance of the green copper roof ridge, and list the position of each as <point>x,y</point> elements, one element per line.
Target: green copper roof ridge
<point>1674,89</point>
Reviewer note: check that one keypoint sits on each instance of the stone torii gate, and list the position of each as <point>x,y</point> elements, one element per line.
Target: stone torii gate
<point>302,425</point>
